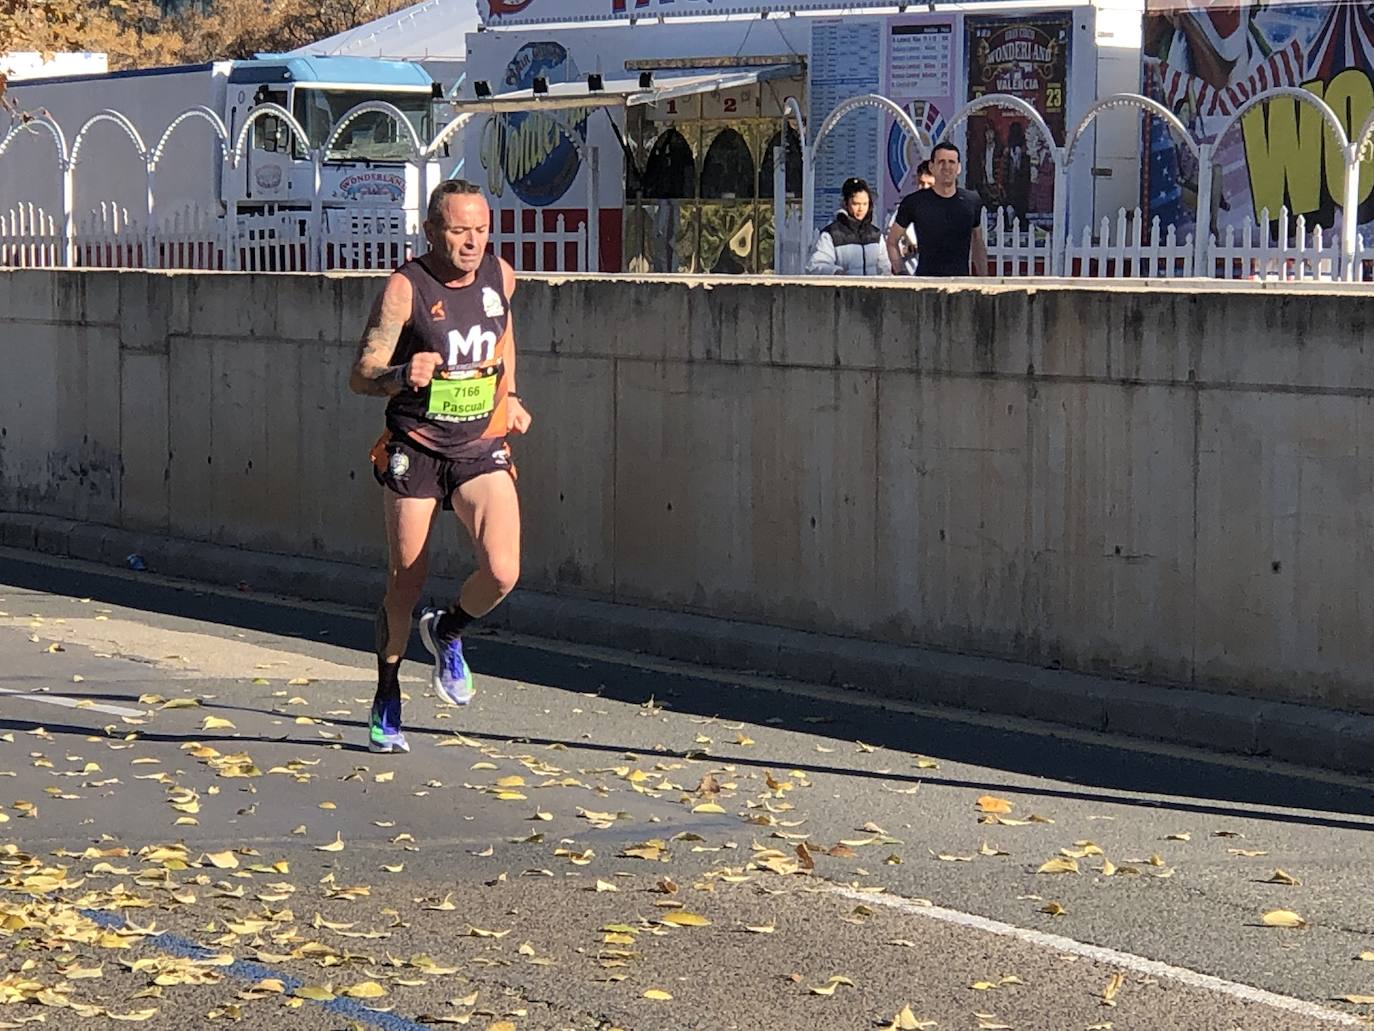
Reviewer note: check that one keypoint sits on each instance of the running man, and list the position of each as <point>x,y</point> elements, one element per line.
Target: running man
<point>440,345</point>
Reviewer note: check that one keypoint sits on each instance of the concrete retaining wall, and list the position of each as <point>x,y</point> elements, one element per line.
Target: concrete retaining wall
<point>1148,481</point>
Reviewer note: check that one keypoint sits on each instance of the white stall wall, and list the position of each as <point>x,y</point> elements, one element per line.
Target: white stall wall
<point>1104,55</point>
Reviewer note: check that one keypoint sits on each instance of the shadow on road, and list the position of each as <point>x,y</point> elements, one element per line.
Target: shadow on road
<point>1220,789</point>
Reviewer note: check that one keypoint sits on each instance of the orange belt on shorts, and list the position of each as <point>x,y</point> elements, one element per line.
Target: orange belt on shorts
<point>378,452</point>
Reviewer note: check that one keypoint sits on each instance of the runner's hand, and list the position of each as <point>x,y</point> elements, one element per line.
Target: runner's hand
<point>517,418</point>
<point>423,367</point>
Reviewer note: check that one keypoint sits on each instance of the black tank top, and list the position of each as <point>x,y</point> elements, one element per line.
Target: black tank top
<point>465,407</point>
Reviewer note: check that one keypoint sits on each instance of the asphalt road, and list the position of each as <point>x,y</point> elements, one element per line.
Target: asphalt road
<point>195,835</point>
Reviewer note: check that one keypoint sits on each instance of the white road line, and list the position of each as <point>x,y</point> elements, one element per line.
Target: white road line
<point>1130,961</point>
<point>73,703</point>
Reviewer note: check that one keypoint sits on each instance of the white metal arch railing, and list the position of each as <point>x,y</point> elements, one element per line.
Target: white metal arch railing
<point>988,100</point>
<point>791,112</point>
<point>811,151</point>
<point>54,130</point>
<point>201,112</point>
<point>1058,155</point>
<point>1118,100</point>
<point>1203,214</point>
<point>117,118</point>
<point>381,107</point>
<point>64,168</point>
<point>263,111</point>
<point>447,133</point>
<point>121,120</point>
<point>1351,145</point>
<point>1349,151</point>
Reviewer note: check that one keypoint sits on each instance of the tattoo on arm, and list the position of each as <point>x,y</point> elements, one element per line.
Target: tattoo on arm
<point>373,374</point>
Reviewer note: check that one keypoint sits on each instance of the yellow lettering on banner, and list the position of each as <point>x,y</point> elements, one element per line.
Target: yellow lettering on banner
<point>1283,150</point>
<point>1351,96</point>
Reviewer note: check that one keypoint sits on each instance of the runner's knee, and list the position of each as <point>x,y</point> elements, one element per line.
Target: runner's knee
<point>505,573</point>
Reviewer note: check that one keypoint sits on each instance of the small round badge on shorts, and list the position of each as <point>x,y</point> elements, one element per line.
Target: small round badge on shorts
<point>399,464</point>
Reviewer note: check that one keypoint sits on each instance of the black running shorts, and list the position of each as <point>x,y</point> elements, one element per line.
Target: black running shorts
<point>405,468</point>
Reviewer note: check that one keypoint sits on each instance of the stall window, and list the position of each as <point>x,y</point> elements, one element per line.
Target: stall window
<point>728,171</point>
<point>671,171</point>
<point>794,165</point>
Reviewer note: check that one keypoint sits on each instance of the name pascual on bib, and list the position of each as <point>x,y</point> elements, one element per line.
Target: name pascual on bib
<point>466,390</point>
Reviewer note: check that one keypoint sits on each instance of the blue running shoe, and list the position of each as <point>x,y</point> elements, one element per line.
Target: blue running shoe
<point>384,730</point>
<point>452,678</point>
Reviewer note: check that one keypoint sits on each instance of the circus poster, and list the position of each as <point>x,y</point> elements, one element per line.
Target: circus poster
<point>1204,61</point>
<point>1007,159</point>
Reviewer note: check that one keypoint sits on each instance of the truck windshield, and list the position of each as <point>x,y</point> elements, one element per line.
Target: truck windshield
<point>369,137</point>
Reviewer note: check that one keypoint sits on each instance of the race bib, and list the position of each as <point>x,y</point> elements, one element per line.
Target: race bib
<point>463,396</point>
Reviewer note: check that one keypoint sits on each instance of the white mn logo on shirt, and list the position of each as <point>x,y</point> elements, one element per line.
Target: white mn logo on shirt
<point>477,346</point>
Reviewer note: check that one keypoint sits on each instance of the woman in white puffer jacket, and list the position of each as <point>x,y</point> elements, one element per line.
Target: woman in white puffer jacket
<point>851,245</point>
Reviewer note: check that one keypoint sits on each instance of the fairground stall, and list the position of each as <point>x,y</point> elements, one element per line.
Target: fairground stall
<point>657,127</point>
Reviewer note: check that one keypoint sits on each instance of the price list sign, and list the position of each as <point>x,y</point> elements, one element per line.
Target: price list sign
<point>845,62</point>
<point>920,65</point>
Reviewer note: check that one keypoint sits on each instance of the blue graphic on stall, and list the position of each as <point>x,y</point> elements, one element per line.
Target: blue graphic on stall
<point>529,150</point>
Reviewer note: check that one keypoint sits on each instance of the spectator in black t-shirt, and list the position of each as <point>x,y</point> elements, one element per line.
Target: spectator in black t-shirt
<point>947,221</point>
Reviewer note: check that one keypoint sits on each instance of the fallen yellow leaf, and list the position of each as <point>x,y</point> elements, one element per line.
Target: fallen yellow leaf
<point>682,918</point>
<point>336,845</point>
<point>905,1020</point>
<point>1282,918</point>
<point>214,723</point>
<point>1059,865</point>
<point>1113,986</point>
<point>993,804</point>
<point>365,990</point>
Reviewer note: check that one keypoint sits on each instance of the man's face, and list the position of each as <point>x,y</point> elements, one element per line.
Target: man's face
<point>925,181</point>
<point>461,233</point>
<point>945,165</point>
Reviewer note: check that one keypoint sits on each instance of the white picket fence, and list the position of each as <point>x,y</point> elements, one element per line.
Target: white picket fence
<point>191,239</point>
<point>1126,251</point>
<point>534,247</point>
<point>369,238</point>
<point>365,238</point>
<point>107,237</point>
<point>354,238</point>
<point>1281,254</point>
<point>1016,250</point>
<point>29,238</point>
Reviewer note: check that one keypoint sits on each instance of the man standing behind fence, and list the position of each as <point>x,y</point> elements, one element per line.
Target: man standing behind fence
<point>947,221</point>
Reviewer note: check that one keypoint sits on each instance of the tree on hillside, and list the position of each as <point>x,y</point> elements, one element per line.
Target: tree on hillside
<point>42,24</point>
<point>139,34</point>
<point>241,28</point>
<point>133,32</point>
